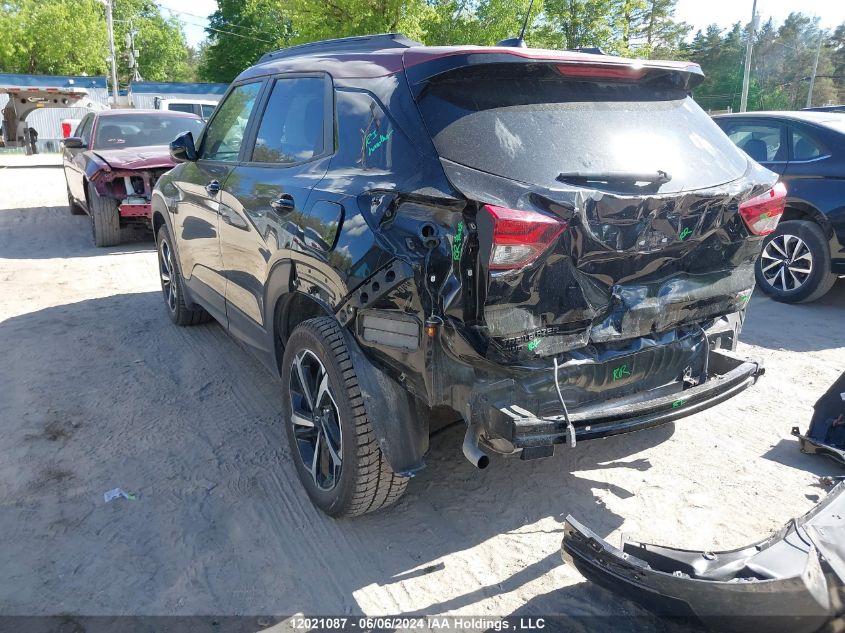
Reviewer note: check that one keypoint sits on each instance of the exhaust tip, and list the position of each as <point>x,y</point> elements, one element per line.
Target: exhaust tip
<point>472,451</point>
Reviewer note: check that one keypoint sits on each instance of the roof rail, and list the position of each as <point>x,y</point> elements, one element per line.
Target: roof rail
<point>343,45</point>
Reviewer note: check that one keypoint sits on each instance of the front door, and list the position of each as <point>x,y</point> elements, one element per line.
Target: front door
<point>264,216</point>
<point>200,184</point>
<point>73,159</point>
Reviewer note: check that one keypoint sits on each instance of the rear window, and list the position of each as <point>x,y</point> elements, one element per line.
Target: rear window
<point>529,123</point>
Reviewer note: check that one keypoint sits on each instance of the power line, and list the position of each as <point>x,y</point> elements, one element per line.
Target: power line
<point>211,28</point>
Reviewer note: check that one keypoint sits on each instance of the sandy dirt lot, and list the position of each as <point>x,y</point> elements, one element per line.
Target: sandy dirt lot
<point>98,390</point>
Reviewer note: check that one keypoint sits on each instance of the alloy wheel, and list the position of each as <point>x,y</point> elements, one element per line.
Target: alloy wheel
<point>787,263</point>
<point>167,272</point>
<point>315,418</point>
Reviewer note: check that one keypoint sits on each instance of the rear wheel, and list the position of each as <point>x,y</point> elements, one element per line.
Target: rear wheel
<point>172,285</point>
<point>334,447</point>
<point>105,220</point>
<point>794,266</point>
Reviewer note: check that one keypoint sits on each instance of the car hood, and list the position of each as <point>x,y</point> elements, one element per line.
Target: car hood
<point>149,157</point>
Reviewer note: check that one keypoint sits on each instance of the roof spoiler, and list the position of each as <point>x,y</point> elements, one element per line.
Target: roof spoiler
<point>362,43</point>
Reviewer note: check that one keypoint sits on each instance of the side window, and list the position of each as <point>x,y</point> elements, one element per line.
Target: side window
<point>181,107</point>
<point>292,126</point>
<point>805,147</point>
<point>761,141</point>
<point>83,130</point>
<point>207,110</point>
<point>224,134</point>
<point>366,136</point>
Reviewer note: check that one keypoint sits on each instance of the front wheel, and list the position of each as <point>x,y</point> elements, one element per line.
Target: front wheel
<point>334,447</point>
<point>172,284</point>
<point>794,266</point>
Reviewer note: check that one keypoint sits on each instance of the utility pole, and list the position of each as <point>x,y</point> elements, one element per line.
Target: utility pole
<point>743,103</point>
<point>813,76</point>
<point>110,29</point>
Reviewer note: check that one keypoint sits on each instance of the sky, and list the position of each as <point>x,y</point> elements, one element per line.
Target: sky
<point>698,13</point>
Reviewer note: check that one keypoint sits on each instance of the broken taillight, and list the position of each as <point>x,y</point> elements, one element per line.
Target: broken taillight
<point>520,236</point>
<point>762,213</point>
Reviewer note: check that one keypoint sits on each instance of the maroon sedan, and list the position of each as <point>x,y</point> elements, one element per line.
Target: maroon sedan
<point>112,162</point>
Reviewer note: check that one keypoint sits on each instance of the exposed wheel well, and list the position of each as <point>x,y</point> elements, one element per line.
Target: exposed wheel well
<point>291,310</point>
<point>791,213</point>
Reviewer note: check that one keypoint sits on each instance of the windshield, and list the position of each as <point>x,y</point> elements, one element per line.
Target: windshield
<point>139,130</point>
<point>529,123</point>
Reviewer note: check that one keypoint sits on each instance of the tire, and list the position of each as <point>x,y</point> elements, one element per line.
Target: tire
<point>75,209</point>
<point>172,287</point>
<point>350,475</point>
<point>105,221</point>
<point>794,266</point>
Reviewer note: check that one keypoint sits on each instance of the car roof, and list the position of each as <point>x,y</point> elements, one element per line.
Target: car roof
<point>131,111</point>
<point>820,118</point>
<point>380,55</point>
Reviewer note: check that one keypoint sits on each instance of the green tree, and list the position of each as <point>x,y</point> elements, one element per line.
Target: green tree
<point>60,37</point>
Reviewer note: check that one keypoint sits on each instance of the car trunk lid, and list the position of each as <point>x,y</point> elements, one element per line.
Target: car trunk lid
<point>600,208</point>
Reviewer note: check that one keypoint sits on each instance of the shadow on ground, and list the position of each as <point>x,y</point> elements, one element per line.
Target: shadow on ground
<point>186,419</point>
<point>52,232</point>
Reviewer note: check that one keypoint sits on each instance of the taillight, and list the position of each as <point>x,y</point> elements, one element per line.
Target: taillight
<point>520,236</point>
<point>762,213</point>
<point>65,129</point>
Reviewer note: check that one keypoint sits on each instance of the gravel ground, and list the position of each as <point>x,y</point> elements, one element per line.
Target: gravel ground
<point>98,390</point>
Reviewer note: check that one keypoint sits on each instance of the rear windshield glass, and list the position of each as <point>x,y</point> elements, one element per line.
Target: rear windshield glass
<point>529,123</point>
<point>134,130</point>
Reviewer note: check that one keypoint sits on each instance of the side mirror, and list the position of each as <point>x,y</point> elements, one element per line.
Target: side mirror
<point>74,142</point>
<point>182,148</point>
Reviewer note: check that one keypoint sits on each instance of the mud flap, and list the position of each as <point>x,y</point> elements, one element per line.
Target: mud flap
<point>399,420</point>
<point>792,582</point>
<point>826,435</point>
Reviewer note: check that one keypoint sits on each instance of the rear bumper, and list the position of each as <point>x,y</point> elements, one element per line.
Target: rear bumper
<point>524,429</point>
<point>136,210</point>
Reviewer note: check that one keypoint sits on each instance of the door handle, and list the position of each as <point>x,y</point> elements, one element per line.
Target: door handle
<point>213,187</point>
<point>283,204</point>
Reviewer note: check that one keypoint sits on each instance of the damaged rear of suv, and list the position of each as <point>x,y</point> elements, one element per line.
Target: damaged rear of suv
<point>554,246</point>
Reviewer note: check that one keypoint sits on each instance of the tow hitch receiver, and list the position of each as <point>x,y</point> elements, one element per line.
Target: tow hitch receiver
<point>791,582</point>
<point>826,435</point>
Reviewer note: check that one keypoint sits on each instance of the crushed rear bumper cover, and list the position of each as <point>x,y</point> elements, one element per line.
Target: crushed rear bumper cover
<point>791,582</point>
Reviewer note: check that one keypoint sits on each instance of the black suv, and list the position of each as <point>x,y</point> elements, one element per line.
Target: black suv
<point>553,246</point>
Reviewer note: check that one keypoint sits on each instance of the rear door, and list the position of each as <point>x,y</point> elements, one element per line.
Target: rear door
<point>763,140</point>
<point>266,200</point>
<point>200,184</point>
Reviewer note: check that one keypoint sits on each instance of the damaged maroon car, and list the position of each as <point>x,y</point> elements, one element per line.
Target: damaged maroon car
<point>113,162</point>
<point>554,246</point>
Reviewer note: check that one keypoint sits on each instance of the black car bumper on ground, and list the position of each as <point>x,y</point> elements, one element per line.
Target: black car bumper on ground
<point>791,582</point>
